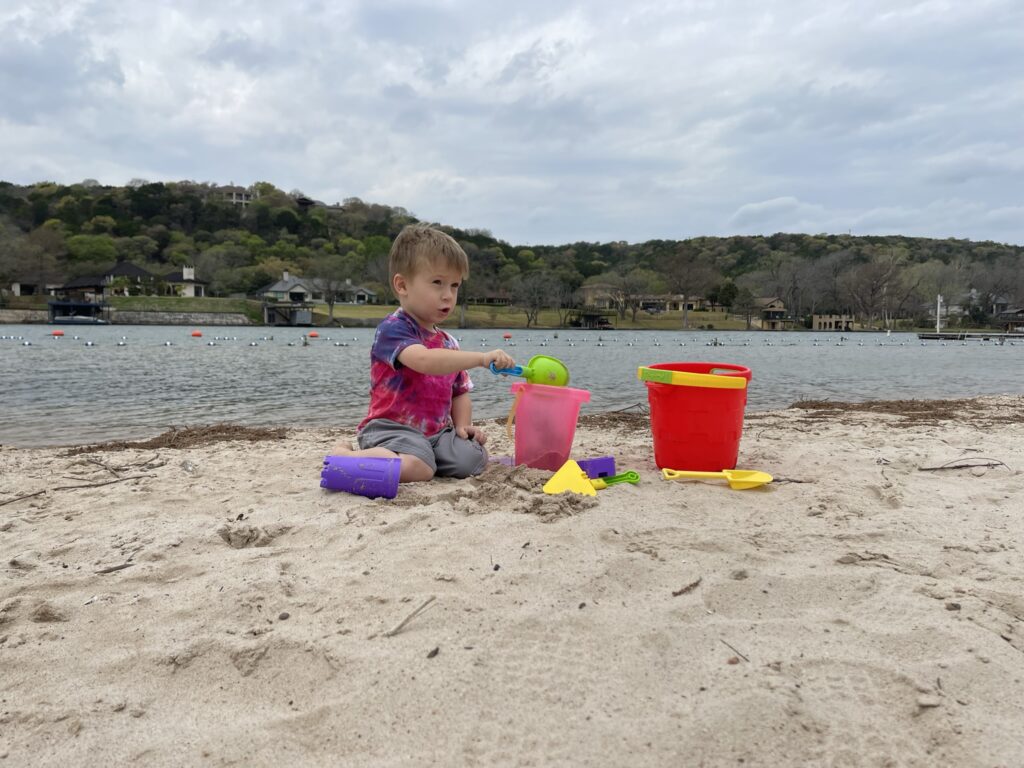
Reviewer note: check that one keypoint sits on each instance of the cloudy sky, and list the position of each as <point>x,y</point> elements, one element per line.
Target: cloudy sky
<point>542,121</point>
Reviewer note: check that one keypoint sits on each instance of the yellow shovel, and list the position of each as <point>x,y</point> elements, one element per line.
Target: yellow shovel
<point>739,479</point>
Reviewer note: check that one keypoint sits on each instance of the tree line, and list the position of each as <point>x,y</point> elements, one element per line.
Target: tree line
<point>52,233</point>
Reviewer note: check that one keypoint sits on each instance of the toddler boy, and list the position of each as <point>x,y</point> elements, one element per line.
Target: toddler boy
<point>420,410</point>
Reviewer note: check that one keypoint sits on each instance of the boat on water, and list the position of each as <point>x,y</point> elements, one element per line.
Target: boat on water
<point>67,312</point>
<point>78,320</point>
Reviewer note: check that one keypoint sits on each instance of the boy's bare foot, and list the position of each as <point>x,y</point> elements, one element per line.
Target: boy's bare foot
<point>342,449</point>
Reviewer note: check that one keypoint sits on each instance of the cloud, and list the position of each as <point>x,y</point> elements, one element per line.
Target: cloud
<point>541,122</point>
<point>780,214</point>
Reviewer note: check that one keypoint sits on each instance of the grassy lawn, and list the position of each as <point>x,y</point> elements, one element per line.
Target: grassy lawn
<point>477,316</point>
<point>485,316</point>
<point>24,302</point>
<point>251,309</point>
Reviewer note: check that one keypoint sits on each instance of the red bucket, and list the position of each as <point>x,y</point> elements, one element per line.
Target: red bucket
<point>697,421</point>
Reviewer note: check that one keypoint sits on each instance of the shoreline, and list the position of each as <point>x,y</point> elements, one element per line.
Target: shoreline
<point>240,321</point>
<point>211,603</point>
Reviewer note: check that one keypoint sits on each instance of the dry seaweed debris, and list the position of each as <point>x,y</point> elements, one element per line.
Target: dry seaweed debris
<point>189,437</point>
<point>620,420</point>
<point>914,412</point>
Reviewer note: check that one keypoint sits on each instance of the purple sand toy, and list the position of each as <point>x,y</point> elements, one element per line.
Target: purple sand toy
<point>364,475</point>
<point>603,466</point>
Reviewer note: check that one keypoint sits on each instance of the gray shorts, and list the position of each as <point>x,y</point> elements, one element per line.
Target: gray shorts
<point>446,453</point>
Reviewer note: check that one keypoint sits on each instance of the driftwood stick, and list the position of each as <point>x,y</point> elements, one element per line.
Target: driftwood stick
<point>737,652</point>
<point>107,467</point>
<point>19,498</point>
<point>410,617</point>
<point>966,465</point>
<point>113,568</point>
<point>688,588</point>
<point>97,485</point>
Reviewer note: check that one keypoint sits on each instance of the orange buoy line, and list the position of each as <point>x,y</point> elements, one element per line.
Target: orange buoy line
<point>197,334</point>
<point>313,335</point>
<point>57,333</point>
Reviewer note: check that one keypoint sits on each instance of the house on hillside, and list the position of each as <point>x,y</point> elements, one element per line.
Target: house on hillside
<point>961,305</point>
<point>31,287</point>
<point>305,290</point>
<point>183,283</point>
<point>603,296</point>
<point>1010,320</point>
<point>236,195</point>
<point>123,279</point>
<point>841,322</point>
<point>772,312</point>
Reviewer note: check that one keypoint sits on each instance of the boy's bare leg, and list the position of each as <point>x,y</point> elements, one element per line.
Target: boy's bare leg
<point>414,470</point>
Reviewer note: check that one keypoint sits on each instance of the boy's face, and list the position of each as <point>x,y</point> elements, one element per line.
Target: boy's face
<point>430,295</point>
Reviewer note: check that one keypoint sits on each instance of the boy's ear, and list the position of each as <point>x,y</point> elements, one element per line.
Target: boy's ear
<point>399,285</point>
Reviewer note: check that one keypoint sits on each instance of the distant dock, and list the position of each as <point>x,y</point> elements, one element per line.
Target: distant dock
<point>968,335</point>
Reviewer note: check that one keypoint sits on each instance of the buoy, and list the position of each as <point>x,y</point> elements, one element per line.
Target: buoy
<point>197,334</point>
<point>57,333</point>
<point>506,336</point>
<point>167,343</point>
<point>313,335</point>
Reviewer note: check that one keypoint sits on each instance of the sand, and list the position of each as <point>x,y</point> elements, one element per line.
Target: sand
<point>211,605</point>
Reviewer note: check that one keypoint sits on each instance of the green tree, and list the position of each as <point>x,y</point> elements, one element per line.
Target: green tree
<point>745,305</point>
<point>333,273</point>
<point>726,293</point>
<point>92,248</point>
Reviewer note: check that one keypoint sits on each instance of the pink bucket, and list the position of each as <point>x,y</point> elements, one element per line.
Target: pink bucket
<point>545,423</point>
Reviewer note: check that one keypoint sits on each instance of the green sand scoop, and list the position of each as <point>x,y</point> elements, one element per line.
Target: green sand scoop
<point>540,370</point>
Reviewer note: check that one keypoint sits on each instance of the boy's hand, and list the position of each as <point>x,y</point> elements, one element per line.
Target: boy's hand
<point>471,433</point>
<point>499,357</point>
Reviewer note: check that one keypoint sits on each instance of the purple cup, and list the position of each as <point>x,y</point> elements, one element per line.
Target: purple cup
<point>364,475</point>
<point>603,466</point>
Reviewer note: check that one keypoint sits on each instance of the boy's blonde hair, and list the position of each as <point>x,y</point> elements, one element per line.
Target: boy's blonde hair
<point>419,246</point>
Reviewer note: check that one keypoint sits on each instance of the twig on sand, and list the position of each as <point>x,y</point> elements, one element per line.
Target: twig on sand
<point>688,588</point>
<point>107,467</point>
<point>97,485</point>
<point>737,652</point>
<point>146,464</point>
<point>410,617</point>
<point>113,568</point>
<point>19,498</point>
<point>971,463</point>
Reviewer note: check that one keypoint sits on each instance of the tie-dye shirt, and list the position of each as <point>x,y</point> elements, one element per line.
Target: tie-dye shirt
<point>401,394</point>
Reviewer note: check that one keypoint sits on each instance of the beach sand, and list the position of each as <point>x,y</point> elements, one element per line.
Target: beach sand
<point>213,606</point>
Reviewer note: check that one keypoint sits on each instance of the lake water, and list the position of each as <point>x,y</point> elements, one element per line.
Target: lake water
<point>60,391</point>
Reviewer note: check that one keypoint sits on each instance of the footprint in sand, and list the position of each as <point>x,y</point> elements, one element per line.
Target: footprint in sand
<point>846,702</point>
<point>242,535</point>
<point>772,597</point>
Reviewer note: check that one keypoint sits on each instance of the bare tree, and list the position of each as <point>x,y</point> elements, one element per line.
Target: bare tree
<point>531,293</point>
<point>745,305</point>
<point>868,285</point>
<point>562,299</point>
<point>687,274</point>
<point>333,274</point>
<point>638,285</point>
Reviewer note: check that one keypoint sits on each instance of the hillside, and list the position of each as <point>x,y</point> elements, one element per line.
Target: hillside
<point>241,239</point>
